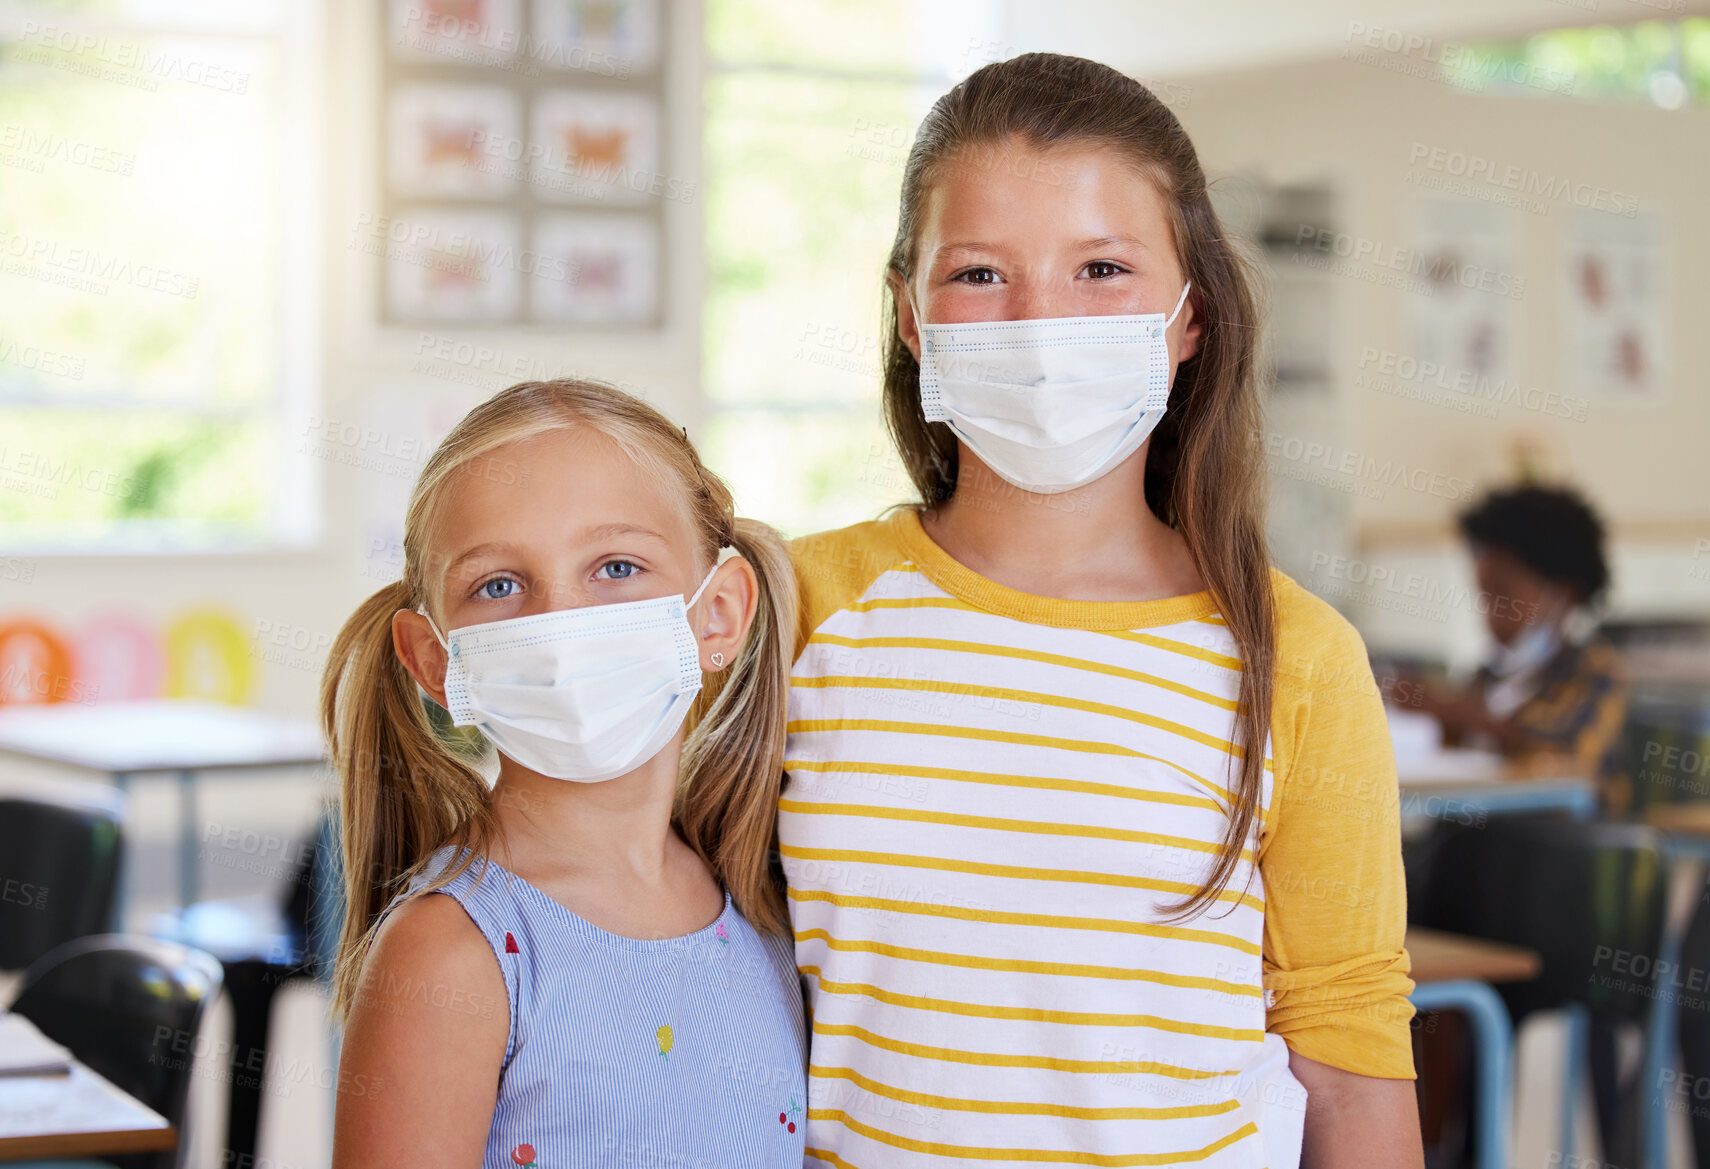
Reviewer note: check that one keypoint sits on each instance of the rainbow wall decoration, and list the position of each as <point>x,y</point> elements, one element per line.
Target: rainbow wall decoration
<point>114,657</point>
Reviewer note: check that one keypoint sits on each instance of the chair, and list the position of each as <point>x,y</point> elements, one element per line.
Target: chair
<point>63,860</point>
<point>1694,1031</point>
<point>107,998</point>
<point>1663,747</point>
<point>262,944</point>
<point>1591,899</point>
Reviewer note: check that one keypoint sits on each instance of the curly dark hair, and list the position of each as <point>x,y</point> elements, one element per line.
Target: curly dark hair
<point>1550,530</point>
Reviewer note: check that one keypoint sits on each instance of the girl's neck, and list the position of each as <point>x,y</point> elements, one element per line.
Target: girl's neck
<point>556,829</point>
<point>1099,542</point>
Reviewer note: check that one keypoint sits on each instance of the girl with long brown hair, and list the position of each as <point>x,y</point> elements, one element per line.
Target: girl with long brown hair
<point>1090,824</point>
<point>605,980</point>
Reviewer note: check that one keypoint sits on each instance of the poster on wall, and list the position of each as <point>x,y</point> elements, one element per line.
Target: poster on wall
<point>596,147</point>
<point>1462,321</point>
<point>465,32</point>
<point>441,139</point>
<point>609,38</point>
<point>610,265</point>
<point>1614,310</point>
<point>455,266</point>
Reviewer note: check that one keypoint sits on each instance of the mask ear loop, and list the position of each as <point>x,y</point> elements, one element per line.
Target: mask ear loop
<point>705,581</point>
<point>422,609</point>
<point>1181,300</point>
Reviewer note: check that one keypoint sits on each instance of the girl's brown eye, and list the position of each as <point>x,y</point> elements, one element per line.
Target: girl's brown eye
<point>1103,270</point>
<point>978,276</point>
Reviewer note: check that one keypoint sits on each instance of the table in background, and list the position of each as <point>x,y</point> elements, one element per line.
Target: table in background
<point>126,739</point>
<point>1458,784</point>
<point>1454,972</point>
<point>75,1115</point>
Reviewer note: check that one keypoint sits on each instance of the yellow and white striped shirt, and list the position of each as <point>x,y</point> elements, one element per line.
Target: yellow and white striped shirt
<point>990,798</point>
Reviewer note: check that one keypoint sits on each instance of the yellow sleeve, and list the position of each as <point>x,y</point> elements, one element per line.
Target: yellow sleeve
<point>834,568</point>
<point>1335,900</point>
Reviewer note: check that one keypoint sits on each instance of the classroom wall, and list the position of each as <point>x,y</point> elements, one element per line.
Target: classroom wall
<point>291,602</point>
<point>1359,127</point>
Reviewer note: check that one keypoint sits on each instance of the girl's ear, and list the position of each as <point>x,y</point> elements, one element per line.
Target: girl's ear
<point>1193,329</point>
<point>907,326</point>
<point>727,610</point>
<point>418,648</point>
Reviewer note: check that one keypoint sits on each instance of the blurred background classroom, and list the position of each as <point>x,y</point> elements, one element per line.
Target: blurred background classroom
<point>256,256</point>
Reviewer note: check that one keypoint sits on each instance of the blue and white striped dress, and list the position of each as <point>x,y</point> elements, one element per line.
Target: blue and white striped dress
<point>687,1052</point>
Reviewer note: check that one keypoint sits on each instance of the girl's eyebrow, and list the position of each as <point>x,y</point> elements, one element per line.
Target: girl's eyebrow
<point>956,252</point>
<point>1109,240</point>
<point>623,529</point>
<point>478,550</point>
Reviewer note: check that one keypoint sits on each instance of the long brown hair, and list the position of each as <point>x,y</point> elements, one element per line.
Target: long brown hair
<point>1204,466</point>
<point>407,792</point>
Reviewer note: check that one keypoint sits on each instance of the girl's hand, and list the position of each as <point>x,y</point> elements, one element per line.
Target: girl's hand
<point>427,1032</point>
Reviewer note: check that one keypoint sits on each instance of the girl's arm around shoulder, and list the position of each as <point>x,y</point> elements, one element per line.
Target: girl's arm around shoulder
<point>423,1046</point>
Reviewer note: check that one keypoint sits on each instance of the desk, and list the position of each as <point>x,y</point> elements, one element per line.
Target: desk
<point>1461,786</point>
<point>75,1115</point>
<point>1690,821</point>
<point>1454,972</point>
<point>126,739</point>
<point>1442,957</point>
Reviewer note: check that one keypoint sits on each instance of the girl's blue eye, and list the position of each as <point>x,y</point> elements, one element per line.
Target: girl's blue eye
<point>619,570</point>
<point>497,589</point>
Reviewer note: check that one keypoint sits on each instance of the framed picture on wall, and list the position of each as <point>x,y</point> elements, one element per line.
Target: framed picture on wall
<point>450,141</point>
<point>596,146</point>
<point>604,269</point>
<point>459,32</point>
<point>455,266</point>
<point>610,38</point>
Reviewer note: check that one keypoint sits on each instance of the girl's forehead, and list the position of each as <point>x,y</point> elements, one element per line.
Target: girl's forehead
<point>567,484</point>
<point>1012,184</point>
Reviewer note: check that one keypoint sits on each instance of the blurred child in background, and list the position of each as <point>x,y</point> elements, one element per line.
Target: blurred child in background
<point>1551,695</point>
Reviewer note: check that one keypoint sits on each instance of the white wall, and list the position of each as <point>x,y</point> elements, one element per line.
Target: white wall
<point>1355,127</point>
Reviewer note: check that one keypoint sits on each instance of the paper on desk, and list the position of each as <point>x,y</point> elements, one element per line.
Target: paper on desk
<point>1450,765</point>
<point>1412,733</point>
<point>82,1102</point>
<point>25,1051</point>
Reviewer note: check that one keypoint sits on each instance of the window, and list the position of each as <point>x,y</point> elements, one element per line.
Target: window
<point>810,109</point>
<point>1665,63</point>
<point>157,243</point>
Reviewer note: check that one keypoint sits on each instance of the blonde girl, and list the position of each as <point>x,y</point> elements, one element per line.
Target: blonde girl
<point>604,980</point>
<point>1091,820</point>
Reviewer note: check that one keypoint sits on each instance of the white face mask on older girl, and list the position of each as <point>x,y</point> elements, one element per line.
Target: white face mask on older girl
<point>1049,405</point>
<point>584,694</point>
